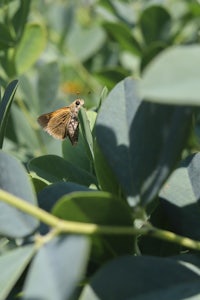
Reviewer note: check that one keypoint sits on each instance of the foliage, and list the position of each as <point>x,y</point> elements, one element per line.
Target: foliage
<point>117,216</point>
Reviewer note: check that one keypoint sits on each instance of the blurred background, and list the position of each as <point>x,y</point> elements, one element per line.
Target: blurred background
<point>61,50</point>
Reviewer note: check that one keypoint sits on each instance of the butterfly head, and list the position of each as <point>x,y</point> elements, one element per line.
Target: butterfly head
<point>79,102</point>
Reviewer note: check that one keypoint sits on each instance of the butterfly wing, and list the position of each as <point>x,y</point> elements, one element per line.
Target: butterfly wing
<point>63,122</point>
<point>55,123</point>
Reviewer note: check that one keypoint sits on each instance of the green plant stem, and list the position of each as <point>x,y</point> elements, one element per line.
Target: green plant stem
<point>63,226</point>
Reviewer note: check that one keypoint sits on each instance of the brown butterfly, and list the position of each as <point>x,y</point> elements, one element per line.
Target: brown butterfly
<point>63,122</point>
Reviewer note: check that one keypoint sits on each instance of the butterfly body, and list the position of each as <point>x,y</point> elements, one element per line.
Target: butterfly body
<point>63,122</point>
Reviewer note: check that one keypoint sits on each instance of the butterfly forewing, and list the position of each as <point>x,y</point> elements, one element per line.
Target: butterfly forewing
<point>63,122</point>
<point>57,126</point>
<point>44,119</point>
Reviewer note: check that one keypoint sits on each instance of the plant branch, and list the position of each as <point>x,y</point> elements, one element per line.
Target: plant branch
<point>63,226</point>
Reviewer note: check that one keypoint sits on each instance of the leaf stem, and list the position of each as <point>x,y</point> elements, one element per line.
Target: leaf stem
<point>63,226</point>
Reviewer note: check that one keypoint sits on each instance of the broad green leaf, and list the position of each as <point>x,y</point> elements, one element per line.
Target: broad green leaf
<point>38,184</point>
<point>78,155</point>
<point>53,168</point>
<point>5,107</point>
<point>48,197</point>
<point>141,141</point>
<point>87,134</point>
<point>154,23</point>
<point>190,260</point>
<point>31,46</point>
<point>105,176</point>
<point>48,144</point>
<point>82,155</point>
<point>100,208</point>
<point>12,265</point>
<point>122,34</point>
<point>143,278</point>
<point>180,197</point>
<point>26,135</point>
<point>110,76</point>
<point>57,268</point>
<point>172,77</point>
<point>83,43</point>
<point>14,179</point>
<point>158,247</point>
<point>48,83</point>
<point>91,116</point>
<point>150,53</point>
<point>30,95</point>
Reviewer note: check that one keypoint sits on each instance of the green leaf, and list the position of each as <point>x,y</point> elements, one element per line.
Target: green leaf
<point>189,259</point>
<point>154,23</point>
<point>100,208</point>
<point>83,43</point>
<point>180,197</point>
<point>82,154</point>
<point>143,278</point>
<point>121,10</point>
<point>91,116</point>
<point>26,135</point>
<point>5,107</point>
<point>172,77</point>
<point>48,197</point>
<point>57,269</point>
<point>54,168</point>
<point>87,134</point>
<point>110,76</point>
<point>6,39</point>
<point>102,97</point>
<point>20,17</point>
<point>14,179</point>
<point>30,96</point>
<point>38,184</point>
<point>31,46</point>
<point>48,83</point>
<point>122,34</point>
<point>141,141</point>
<point>78,155</point>
<point>150,53</point>
<point>194,9</point>
<point>105,176</point>
<point>13,263</point>
<point>158,247</point>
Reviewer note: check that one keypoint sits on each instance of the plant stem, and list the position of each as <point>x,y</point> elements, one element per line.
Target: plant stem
<point>63,226</point>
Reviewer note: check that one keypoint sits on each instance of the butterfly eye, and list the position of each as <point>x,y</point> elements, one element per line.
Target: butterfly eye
<point>77,102</point>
